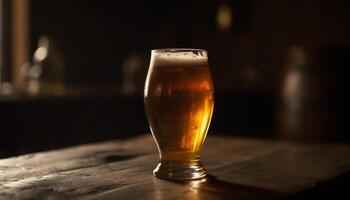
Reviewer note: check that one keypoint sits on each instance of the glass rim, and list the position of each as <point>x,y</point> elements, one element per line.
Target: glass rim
<point>177,50</point>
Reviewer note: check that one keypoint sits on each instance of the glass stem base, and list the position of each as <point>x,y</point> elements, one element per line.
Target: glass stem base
<point>179,171</point>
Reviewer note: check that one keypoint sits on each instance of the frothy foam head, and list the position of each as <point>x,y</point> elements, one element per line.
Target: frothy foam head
<point>179,57</point>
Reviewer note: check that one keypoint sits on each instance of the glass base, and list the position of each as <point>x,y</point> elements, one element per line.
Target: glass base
<point>180,171</point>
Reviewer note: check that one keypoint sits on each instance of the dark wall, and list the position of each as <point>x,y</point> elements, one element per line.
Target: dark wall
<point>33,124</point>
<point>249,64</point>
<point>96,36</point>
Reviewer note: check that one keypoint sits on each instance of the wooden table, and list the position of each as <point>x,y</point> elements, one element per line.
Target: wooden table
<point>239,169</point>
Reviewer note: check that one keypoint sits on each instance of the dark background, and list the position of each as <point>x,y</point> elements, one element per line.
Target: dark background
<point>249,63</point>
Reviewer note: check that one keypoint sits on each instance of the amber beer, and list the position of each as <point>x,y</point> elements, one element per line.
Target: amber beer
<point>179,104</point>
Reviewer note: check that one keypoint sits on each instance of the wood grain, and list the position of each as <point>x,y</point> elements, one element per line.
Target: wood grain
<point>239,168</point>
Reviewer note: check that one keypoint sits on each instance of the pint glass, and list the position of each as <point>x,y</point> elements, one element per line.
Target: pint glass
<point>179,101</point>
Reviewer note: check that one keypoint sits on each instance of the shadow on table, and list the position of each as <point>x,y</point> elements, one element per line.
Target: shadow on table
<point>337,187</point>
<point>224,188</point>
<point>211,187</point>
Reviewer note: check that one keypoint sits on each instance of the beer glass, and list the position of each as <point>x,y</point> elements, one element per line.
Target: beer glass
<point>179,101</point>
